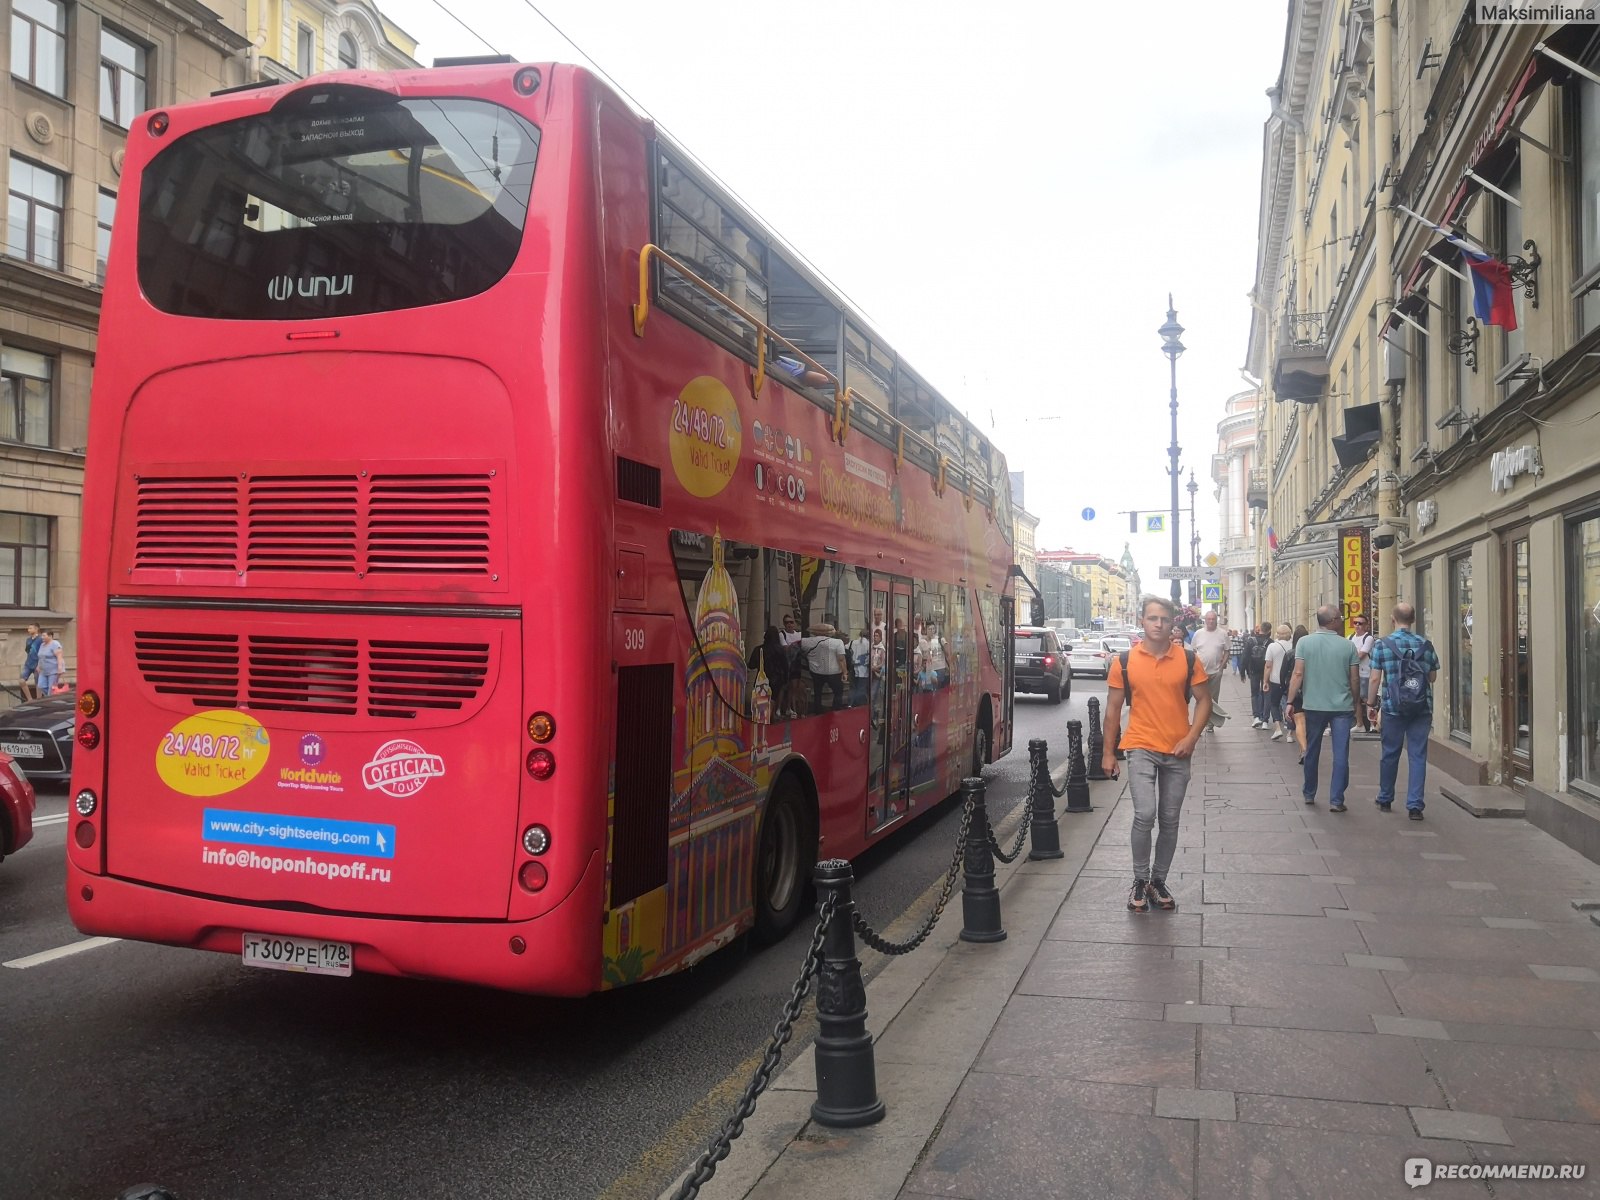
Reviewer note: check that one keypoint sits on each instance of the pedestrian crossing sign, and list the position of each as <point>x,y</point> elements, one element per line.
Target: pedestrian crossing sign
<point>1210,593</point>
<point>1156,523</point>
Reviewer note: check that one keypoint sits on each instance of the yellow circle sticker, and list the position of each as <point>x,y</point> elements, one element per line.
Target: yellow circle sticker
<point>706,436</point>
<point>212,752</point>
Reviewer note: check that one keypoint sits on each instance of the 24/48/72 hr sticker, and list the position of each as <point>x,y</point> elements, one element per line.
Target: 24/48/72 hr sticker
<point>212,752</point>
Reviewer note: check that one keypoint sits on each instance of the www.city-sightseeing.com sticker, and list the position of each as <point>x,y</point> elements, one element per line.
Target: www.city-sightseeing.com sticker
<point>212,752</point>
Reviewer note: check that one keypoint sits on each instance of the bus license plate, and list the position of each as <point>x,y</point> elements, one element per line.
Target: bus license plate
<point>297,954</point>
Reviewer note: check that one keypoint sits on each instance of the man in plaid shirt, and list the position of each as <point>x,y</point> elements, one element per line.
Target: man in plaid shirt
<point>1402,729</point>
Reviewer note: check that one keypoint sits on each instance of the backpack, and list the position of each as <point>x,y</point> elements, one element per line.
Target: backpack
<point>1127,680</point>
<point>1285,667</point>
<point>1256,654</point>
<point>1405,689</point>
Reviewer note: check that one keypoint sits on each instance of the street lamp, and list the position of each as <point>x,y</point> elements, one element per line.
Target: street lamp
<point>1172,347</point>
<point>1194,538</point>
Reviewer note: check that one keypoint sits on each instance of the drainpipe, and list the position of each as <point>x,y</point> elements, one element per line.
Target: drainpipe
<point>1383,271</point>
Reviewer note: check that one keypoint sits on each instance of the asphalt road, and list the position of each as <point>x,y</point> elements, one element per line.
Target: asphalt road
<point>130,1063</point>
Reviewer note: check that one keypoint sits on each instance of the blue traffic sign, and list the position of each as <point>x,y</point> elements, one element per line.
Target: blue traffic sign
<point>1088,514</point>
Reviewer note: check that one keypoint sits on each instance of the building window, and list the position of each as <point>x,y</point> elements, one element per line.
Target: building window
<point>1585,107</point>
<point>39,44</point>
<point>1458,311</point>
<point>305,48</point>
<point>26,396</point>
<point>24,561</point>
<point>1583,617</point>
<point>124,69</point>
<point>105,208</point>
<point>349,53</point>
<point>1424,600</point>
<point>34,210</point>
<point>1461,647</point>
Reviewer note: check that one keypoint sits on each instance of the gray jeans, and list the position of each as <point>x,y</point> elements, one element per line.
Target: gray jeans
<point>1158,782</point>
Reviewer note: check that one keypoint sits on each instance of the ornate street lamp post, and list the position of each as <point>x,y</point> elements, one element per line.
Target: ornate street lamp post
<point>1172,347</point>
<point>1194,540</point>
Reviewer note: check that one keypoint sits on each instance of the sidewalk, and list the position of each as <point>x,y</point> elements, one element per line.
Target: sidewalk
<point>1336,994</point>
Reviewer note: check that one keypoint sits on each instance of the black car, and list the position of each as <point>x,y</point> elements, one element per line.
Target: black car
<point>38,734</point>
<point>1040,665</point>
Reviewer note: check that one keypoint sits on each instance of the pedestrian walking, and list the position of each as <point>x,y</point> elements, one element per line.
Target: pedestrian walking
<point>1236,650</point>
<point>1157,678</point>
<point>30,663</point>
<point>1323,687</point>
<point>52,663</point>
<point>1404,666</point>
<point>1255,668</point>
<point>1361,638</point>
<point>1275,678</point>
<point>1210,644</point>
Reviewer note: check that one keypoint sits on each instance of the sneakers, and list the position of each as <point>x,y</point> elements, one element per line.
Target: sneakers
<point>1138,898</point>
<point>1157,890</point>
<point>1415,814</point>
<point>1382,807</point>
<point>1335,808</point>
<point>1258,723</point>
<point>1276,734</point>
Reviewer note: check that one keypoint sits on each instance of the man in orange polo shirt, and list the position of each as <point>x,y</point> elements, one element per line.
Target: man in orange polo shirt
<point>1160,738</point>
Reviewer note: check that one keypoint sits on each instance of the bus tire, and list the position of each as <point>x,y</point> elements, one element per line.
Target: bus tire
<point>785,853</point>
<point>981,738</point>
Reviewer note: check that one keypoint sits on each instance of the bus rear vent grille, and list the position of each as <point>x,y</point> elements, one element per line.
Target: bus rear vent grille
<point>331,676</point>
<point>638,482</point>
<point>348,525</point>
<point>643,781</point>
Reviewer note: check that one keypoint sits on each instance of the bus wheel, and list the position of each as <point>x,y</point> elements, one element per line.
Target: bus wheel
<point>980,748</point>
<point>783,860</point>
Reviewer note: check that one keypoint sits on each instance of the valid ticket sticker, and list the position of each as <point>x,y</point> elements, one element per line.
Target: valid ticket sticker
<point>212,752</point>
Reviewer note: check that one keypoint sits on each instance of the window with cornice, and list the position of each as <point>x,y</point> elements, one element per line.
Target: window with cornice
<point>1584,98</point>
<point>349,52</point>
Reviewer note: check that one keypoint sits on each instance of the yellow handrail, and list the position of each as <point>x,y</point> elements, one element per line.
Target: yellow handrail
<point>844,398</point>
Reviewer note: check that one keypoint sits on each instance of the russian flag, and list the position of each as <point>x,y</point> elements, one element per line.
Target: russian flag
<point>1272,539</point>
<point>1492,301</point>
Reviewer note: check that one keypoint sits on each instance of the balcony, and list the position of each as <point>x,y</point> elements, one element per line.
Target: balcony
<point>1300,372</point>
<point>1255,493</point>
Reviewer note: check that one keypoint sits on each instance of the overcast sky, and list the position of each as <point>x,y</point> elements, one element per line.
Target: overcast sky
<point>1007,190</point>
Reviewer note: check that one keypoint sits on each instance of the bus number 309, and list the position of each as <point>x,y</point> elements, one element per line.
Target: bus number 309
<point>633,639</point>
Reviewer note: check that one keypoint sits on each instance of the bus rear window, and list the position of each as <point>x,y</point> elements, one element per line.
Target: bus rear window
<point>367,206</point>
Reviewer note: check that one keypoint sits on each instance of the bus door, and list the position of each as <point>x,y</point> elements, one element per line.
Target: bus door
<point>889,730</point>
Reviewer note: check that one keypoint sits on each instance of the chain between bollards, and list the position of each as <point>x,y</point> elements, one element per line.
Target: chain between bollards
<point>882,945</point>
<point>720,1146</point>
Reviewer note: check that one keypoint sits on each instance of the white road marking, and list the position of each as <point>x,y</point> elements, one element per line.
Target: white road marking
<point>44,956</point>
<point>57,819</point>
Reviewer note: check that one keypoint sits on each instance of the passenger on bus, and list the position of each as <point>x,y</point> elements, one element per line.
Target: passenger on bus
<point>825,657</point>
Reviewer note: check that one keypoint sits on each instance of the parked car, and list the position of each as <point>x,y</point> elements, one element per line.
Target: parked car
<point>16,807</point>
<point>39,735</point>
<point>1040,665</point>
<point>1088,656</point>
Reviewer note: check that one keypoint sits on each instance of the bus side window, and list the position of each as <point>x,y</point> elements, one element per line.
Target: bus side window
<point>703,236</point>
<point>867,368</point>
<point>799,314</point>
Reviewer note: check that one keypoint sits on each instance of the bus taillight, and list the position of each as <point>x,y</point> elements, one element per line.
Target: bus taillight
<point>536,839</point>
<point>88,735</point>
<point>89,703</point>
<point>533,876</point>
<point>541,727</point>
<point>541,764</point>
<point>526,81</point>
<point>158,124</point>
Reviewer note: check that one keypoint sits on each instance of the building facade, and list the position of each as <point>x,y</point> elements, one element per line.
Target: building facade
<point>1441,457</point>
<point>1233,471</point>
<point>80,74</point>
<point>1111,598</point>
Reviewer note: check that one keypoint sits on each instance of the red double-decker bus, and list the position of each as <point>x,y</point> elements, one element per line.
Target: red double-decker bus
<point>503,560</point>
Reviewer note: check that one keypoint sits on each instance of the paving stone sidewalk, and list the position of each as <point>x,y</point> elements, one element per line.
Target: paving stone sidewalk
<point>1338,993</point>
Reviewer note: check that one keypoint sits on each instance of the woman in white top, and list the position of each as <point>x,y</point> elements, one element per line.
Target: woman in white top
<point>1280,649</point>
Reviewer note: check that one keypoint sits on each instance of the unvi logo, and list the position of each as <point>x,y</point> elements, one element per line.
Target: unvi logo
<point>281,287</point>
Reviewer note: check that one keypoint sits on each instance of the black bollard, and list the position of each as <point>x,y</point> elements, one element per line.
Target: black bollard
<point>1044,836</point>
<point>1077,777</point>
<point>847,1080</point>
<point>980,899</point>
<point>1097,743</point>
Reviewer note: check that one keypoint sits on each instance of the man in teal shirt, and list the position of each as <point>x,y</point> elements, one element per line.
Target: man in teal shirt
<point>1324,688</point>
